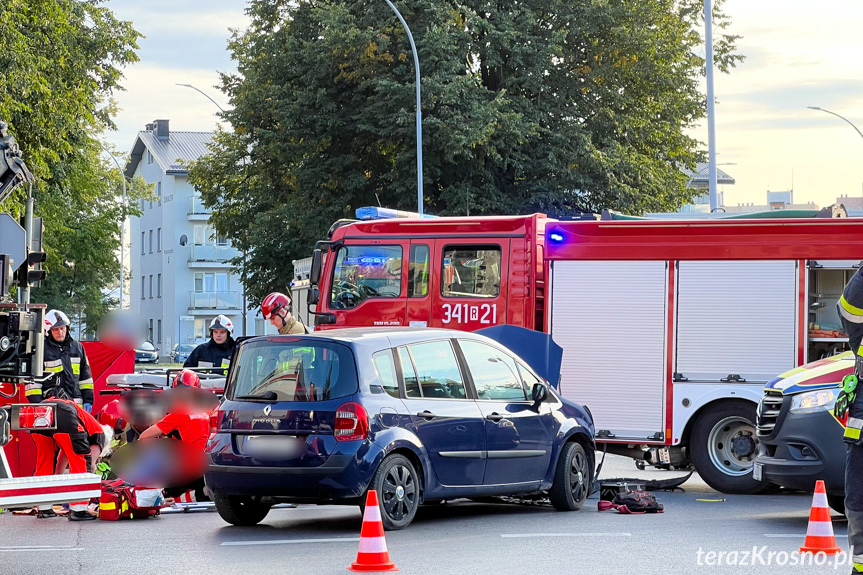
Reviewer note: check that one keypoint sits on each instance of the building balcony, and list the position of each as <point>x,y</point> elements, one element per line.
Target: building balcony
<point>214,300</point>
<point>197,211</point>
<point>212,253</point>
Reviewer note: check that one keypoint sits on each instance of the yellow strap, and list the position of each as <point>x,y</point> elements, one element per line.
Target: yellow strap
<point>33,392</point>
<point>107,506</point>
<point>852,433</point>
<point>76,368</point>
<point>57,369</point>
<point>85,385</point>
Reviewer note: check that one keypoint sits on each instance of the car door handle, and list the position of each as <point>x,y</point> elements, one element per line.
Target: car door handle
<point>426,414</point>
<point>494,417</point>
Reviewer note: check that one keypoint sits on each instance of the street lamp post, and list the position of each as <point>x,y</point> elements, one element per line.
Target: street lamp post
<point>850,123</point>
<point>419,111</point>
<point>711,116</point>
<point>122,230</point>
<point>242,280</point>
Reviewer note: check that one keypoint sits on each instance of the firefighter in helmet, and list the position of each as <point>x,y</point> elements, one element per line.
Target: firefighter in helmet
<point>218,351</point>
<point>66,364</point>
<point>277,308</point>
<point>849,404</point>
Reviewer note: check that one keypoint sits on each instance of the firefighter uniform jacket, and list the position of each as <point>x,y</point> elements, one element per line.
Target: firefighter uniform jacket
<point>292,326</point>
<point>72,378</point>
<point>212,354</point>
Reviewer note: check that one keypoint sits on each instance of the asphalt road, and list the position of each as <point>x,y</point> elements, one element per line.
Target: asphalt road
<point>460,537</point>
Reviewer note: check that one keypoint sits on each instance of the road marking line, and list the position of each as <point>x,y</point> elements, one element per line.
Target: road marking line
<point>799,535</point>
<point>290,541</point>
<point>521,535</point>
<point>38,548</point>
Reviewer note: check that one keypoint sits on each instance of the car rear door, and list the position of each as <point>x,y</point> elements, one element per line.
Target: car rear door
<point>447,421</point>
<point>518,433</point>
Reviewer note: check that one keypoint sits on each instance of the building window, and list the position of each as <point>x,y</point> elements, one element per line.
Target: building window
<point>159,331</point>
<point>150,331</point>
<point>143,242</point>
<point>159,285</point>
<point>206,282</point>
<point>149,157</point>
<point>151,241</point>
<point>159,192</point>
<point>199,329</point>
<point>221,281</point>
<point>143,283</point>
<point>151,286</point>
<point>221,241</point>
<point>200,235</point>
<point>159,240</point>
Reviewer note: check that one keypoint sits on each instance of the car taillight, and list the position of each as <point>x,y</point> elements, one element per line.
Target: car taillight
<point>215,421</point>
<point>352,422</point>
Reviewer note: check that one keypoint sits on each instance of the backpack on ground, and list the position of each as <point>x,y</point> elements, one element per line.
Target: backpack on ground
<point>632,502</point>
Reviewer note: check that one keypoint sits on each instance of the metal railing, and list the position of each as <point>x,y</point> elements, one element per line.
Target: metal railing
<point>197,206</point>
<point>215,300</point>
<point>212,253</point>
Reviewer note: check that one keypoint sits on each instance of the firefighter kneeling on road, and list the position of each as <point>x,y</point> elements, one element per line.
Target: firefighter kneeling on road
<point>188,421</point>
<point>850,404</point>
<point>77,435</point>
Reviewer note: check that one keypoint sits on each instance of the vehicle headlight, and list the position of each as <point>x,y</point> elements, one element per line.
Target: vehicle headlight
<point>813,401</point>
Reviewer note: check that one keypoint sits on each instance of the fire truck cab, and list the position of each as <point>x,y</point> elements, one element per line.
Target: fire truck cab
<point>670,329</point>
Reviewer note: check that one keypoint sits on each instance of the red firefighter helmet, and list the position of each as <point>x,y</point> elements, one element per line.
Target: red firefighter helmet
<point>186,378</point>
<point>273,303</point>
<point>110,414</point>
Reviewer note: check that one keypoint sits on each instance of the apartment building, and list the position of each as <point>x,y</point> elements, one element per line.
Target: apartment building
<point>181,275</point>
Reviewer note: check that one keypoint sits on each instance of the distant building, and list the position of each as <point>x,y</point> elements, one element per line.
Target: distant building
<point>783,200</point>
<point>853,204</point>
<point>700,180</point>
<point>181,275</point>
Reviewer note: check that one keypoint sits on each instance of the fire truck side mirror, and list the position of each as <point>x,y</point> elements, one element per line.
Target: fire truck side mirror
<point>314,296</point>
<point>315,271</point>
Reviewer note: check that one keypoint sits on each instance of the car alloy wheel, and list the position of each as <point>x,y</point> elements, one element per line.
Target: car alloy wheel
<point>398,491</point>
<point>571,478</point>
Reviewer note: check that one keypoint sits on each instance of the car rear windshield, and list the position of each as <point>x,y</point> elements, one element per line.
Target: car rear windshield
<point>294,369</point>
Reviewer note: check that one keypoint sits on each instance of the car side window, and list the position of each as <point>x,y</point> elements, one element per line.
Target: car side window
<point>386,370</point>
<point>527,377</point>
<point>494,373</point>
<point>471,271</point>
<point>412,386</point>
<point>437,370</point>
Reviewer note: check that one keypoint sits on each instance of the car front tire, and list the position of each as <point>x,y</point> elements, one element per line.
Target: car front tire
<point>571,484</point>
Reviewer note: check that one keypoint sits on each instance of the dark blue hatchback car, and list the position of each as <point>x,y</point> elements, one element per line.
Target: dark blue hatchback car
<point>420,415</point>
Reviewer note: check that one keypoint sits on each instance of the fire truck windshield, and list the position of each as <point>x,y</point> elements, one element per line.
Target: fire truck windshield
<point>363,272</point>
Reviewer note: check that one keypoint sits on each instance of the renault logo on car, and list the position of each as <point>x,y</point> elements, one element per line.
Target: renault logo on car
<point>268,409</point>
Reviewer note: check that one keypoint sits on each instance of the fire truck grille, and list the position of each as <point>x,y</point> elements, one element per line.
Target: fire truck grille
<point>768,412</point>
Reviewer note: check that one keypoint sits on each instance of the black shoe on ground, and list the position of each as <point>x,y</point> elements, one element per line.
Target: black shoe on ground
<point>80,516</point>
<point>45,514</point>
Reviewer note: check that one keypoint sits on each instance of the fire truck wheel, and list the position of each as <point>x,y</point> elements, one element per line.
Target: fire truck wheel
<point>571,478</point>
<point>723,447</point>
<point>243,511</point>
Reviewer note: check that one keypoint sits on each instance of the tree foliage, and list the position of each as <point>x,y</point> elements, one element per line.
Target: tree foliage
<point>554,106</point>
<point>61,62</point>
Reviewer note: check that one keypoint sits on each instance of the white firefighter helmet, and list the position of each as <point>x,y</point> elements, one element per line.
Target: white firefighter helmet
<point>56,318</point>
<point>222,322</point>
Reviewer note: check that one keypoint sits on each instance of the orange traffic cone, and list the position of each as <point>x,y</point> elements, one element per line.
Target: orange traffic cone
<point>372,555</point>
<point>819,534</point>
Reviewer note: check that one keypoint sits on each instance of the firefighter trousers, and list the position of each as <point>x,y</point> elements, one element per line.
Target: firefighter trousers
<point>854,503</point>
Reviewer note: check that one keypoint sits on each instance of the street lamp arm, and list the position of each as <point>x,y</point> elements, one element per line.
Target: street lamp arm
<point>205,95</point>
<point>838,116</point>
<point>419,109</point>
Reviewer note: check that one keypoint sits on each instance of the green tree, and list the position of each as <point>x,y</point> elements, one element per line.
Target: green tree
<point>543,105</point>
<point>61,62</point>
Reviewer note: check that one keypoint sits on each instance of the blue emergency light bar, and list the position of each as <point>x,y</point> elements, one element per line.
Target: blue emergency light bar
<point>373,213</point>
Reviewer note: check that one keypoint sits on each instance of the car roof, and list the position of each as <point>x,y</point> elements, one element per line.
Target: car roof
<point>381,337</point>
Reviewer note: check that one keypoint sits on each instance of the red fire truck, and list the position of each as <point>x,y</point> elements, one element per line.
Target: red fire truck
<point>669,328</point>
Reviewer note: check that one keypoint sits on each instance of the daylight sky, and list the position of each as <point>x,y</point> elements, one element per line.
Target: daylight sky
<point>798,54</point>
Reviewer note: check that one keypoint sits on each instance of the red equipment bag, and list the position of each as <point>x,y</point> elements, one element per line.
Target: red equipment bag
<point>119,500</point>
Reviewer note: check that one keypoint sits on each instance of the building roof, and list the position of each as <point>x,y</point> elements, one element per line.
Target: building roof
<point>172,154</point>
<point>699,178</point>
